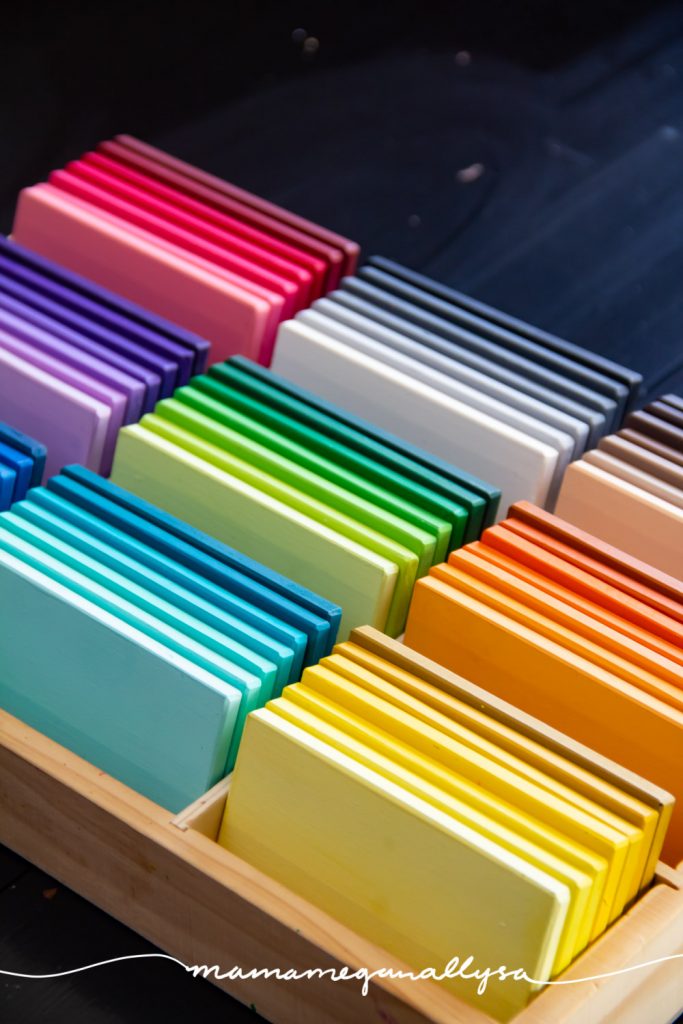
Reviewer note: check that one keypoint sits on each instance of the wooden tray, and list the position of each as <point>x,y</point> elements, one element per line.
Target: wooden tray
<point>169,880</point>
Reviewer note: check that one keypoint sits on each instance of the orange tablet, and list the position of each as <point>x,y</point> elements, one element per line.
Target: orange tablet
<point>560,633</point>
<point>670,608</point>
<point>566,583</point>
<point>554,684</point>
<point>577,620</point>
<point>598,549</point>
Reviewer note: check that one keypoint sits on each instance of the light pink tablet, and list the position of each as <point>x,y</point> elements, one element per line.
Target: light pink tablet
<point>70,424</point>
<point>128,261</point>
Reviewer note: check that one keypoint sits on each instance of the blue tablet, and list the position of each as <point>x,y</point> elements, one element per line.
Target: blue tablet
<point>22,467</point>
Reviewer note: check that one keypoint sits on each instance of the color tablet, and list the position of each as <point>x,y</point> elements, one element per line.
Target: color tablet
<point>116,724</point>
<point>27,446</point>
<point>521,466</point>
<point>8,483</point>
<point>627,516</point>
<point>75,424</point>
<point>632,475</point>
<point>665,451</point>
<point>22,468</point>
<point>658,429</point>
<point>630,378</point>
<point>642,459</point>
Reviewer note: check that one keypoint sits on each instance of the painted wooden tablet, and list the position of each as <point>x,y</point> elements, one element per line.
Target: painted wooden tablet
<point>562,744</point>
<point>179,426</point>
<point>637,477</point>
<point>308,270</point>
<point>543,678</point>
<point>8,482</point>
<point>656,428</point>
<point>615,590</point>
<point>409,362</point>
<point>40,336</point>
<point>584,420</point>
<point>405,462</point>
<point>78,331</point>
<point>157,369</point>
<point>22,468</point>
<point>109,597</point>
<point>34,450</point>
<point>341,570</point>
<point>74,424</point>
<point>521,466</point>
<point>110,403</point>
<point>626,516</point>
<point>447,362</point>
<point>642,459</point>
<point>621,845</point>
<point>599,549</point>
<point>115,724</point>
<point>574,588</point>
<point>428,781</point>
<point>301,607</point>
<point>664,410</point>
<point>114,311</point>
<point>606,646</point>
<point>436,467</point>
<point>258,262</point>
<point>207,394</point>
<point>66,229</point>
<point>350,810</point>
<point>246,443</point>
<point>521,362</point>
<point>664,451</point>
<point>631,378</point>
<point>273,287</point>
<point>331,241</point>
<point>575,779</point>
<point>231,624</point>
<point>571,368</point>
<point>270,636</point>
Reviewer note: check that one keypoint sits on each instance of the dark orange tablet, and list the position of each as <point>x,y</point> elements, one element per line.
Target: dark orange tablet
<point>632,660</point>
<point>598,550</point>
<point>516,607</point>
<point>607,602</point>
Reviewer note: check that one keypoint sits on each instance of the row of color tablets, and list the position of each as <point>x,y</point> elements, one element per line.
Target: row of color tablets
<point>436,820</point>
<point>78,362</point>
<point>22,462</point>
<point>570,629</point>
<point>466,382</point>
<point>353,514</point>
<point>139,643</point>
<point>189,246</point>
<point>630,490</point>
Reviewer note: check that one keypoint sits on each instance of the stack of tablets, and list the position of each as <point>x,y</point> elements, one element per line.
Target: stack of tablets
<point>205,254</point>
<point>77,362</point>
<point>22,462</point>
<point>139,643</point>
<point>464,381</point>
<point>352,513</point>
<point>438,821</point>
<point>569,629</point>
<point>630,490</point>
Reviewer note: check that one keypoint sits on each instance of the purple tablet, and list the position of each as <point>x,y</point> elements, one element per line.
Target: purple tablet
<point>24,323</point>
<point>154,329</point>
<point>110,403</point>
<point>64,305</point>
<point>71,424</point>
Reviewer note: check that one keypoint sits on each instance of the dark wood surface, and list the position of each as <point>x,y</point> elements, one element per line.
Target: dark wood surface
<point>528,153</point>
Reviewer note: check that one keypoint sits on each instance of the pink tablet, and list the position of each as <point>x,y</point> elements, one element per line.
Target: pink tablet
<point>70,424</point>
<point>263,249</point>
<point>93,186</point>
<point>127,260</point>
